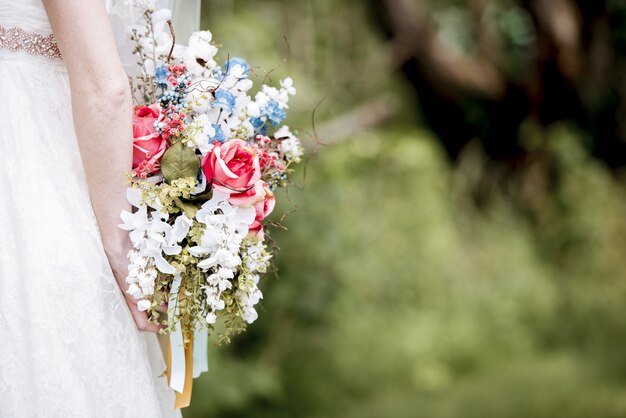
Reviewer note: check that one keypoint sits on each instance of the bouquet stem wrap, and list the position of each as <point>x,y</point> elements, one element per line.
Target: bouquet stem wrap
<point>180,368</point>
<point>185,361</point>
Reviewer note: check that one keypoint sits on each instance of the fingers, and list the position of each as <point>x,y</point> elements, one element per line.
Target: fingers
<point>132,301</point>
<point>150,327</point>
<point>141,320</point>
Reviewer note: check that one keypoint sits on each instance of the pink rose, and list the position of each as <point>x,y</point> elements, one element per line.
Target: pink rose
<point>148,145</point>
<point>233,167</point>
<point>250,197</point>
<point>266,206</point>
<point>263,208</point>
<point>256,230</point>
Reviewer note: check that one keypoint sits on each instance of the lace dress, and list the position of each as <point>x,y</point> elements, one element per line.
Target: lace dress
<point>68,344</point>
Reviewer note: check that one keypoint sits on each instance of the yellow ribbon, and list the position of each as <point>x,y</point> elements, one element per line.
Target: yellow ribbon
<point>182,399</point>
<point>180,336</point>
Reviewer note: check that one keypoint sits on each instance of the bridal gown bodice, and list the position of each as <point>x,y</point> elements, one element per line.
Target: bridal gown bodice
<point>26,14</point>
<point>68,344</point>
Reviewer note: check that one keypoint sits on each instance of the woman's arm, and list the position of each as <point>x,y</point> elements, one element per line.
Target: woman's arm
<point>102,110</point>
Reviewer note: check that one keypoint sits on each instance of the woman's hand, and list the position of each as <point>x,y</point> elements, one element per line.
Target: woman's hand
<point>119,265</point>
<point>140,318</point>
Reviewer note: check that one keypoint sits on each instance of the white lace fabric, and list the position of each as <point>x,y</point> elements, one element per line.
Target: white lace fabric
<point>68,344</point>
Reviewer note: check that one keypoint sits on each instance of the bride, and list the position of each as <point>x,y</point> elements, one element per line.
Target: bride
<point>72,342</point>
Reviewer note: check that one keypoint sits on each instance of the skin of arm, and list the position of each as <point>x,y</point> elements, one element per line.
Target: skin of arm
<point>102,113</point>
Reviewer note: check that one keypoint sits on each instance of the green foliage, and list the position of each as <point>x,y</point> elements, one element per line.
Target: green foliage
<point>179,161</point>
<point>328,47</point>
<point>397,298</point>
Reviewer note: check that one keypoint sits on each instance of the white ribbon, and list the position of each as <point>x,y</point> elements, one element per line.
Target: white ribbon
<point>200,352</point>
<point>177,345</point>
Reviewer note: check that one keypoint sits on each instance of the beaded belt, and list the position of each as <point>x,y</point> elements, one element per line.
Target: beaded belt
<point>17,39</point>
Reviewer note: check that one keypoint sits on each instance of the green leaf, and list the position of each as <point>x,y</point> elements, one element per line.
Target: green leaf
<point>179,161</point>
<point>189,208</point>
<point>202,197</point>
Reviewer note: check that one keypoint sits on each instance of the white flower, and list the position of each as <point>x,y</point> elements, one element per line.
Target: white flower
<point>143,305</point>
<point>199,98</point>
<point>137,220</point>
<point>289,145</point>
<point>244,85</point>
<point>255,296</point>
<point>201,131</point>
<point>198,56</point>
<point>211,317</point>
<point>222,278</point>
<point>148,234</point>
<point>287,85</point>
<point>272,93</point>
<point>249,315</point>
<point>256,259</point>
<point>237,71</point>
<point>226,227</point>
<point>181,228</point>
<point>221,257</point>
<point>291,148</point>
<point>253,110</point>
<point>148,289</point>
<point>246,129</point>
<point>254,278</point>
<point>200,38</point>
<point>213,299</point>
<point>134,291</point>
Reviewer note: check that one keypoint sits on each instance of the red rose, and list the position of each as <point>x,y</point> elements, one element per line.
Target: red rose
<point>233,167</point>
<point>148,145</point>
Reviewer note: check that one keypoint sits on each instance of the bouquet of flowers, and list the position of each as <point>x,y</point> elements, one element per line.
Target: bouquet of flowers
<point>207,159</point>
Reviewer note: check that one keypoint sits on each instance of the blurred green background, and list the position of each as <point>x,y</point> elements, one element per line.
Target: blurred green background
<point>459,248</point>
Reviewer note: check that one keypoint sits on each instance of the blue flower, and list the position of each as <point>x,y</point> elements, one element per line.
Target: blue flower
<point>224,100</point>
<point>273,112</point>
<point>219,133</point>
<point>161,74</point>
<point>259,125</point>
<point>231,63</point>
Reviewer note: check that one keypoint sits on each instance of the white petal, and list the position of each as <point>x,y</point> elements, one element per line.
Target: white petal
<point>181,227</point>
<point>143,305</point>
<point>163,265</point>
<point>128,224</point>
<point>198,251</point>
<point>207,263</point>
<point>245,215</point>
<point>211,318</point>
<point>133,195</point>
<point>172,250</point>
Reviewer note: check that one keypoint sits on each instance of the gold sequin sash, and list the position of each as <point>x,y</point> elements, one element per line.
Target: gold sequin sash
<point>17,39</point>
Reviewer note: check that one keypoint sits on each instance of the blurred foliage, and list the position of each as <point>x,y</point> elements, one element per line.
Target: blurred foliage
<point>327,47</point>
<point>397,298</point>
<point>398,295</point>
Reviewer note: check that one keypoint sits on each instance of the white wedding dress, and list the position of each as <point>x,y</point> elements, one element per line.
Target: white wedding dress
<point>68,344</point>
